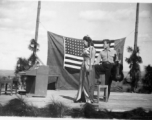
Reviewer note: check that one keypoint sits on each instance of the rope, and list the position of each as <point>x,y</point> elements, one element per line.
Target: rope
<point>43,25</point>
<point>130,32</point>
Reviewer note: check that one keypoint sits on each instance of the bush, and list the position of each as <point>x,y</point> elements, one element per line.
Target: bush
<point>54,109</point>
<point>18,107</point>
<point>148,79</point>
<point>90,112</point>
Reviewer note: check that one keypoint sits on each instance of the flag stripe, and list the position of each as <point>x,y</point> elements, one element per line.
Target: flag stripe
<point>72,66</point>
<point>71,61</point>
<point>98,49</point>
<point>98,45</point>
<point>101,41</point>
<point>101,45</point>
<point>73,57</point>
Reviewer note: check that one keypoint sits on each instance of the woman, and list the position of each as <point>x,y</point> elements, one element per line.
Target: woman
<point>87,73</point>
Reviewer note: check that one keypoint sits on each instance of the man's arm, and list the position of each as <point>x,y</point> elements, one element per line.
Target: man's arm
<point>98,59</point>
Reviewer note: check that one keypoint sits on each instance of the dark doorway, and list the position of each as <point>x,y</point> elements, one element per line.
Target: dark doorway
<point>51,86</point>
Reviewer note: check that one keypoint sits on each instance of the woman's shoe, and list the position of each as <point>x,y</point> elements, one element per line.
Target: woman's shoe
<point>89,101</point>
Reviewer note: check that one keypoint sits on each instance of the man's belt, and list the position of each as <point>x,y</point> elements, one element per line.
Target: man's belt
<point>106,62</point>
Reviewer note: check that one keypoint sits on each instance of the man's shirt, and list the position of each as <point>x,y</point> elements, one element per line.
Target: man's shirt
<point>107,56</point>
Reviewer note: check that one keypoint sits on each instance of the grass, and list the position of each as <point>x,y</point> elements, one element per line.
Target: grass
<point>55,109</point>
<point>18,107</point>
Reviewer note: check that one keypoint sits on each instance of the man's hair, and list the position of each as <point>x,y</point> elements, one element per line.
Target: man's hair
<point>89,40</point>
<point>107,41</point>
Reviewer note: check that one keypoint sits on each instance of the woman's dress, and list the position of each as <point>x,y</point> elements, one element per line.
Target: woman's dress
<point>87,76</point>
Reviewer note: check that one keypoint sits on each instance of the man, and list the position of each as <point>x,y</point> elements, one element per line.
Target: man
<point>109,57</point>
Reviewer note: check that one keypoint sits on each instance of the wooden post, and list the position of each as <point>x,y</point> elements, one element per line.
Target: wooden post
<point>136,27</point>
<point>37,28</point>
<point>37,23</point>
<point>135,47</point>
<point>37,20</point>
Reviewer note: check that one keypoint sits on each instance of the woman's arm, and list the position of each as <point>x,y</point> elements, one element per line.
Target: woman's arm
<point>85,53</point>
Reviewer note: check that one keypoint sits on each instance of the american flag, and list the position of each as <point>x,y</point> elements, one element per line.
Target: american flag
<point>73,49</point>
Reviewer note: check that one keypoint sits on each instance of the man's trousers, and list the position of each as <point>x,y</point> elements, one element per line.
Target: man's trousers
<point>107,69</point>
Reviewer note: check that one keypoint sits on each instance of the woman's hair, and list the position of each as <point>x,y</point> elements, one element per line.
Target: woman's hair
<point>89,40</point>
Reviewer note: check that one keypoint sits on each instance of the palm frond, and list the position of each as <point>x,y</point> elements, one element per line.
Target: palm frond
<point>33,46</point>
<point>139,59</point>
<point>138,50</point>
<point>130,49</point>
<point>21,65</point>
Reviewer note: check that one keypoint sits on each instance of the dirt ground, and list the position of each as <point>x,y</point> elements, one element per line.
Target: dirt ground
<point>117,101</point>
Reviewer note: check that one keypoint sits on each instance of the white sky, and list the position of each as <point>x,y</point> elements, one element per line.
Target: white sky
<point>99,20</point>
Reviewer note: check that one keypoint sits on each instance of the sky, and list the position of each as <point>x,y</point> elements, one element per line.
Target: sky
<point>99,20</point>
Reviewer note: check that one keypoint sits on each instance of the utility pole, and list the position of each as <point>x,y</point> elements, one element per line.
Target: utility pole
<point>37,28</point>
<point>135,48</point>
<point>136,27</point>
<point>37,22</point>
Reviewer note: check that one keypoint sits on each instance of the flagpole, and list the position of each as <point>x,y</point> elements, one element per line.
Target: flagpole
<point>136,27</point>
<point>135,45</point>
<point>37,22</point>
<point>37,27</point>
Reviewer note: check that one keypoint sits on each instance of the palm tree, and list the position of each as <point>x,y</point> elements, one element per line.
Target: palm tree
<point>33,46</point>
<point>134,60</point>
<point>148,79</point>
<point>33,60</point>
<point>24,64</point>
<point>21,65</point>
